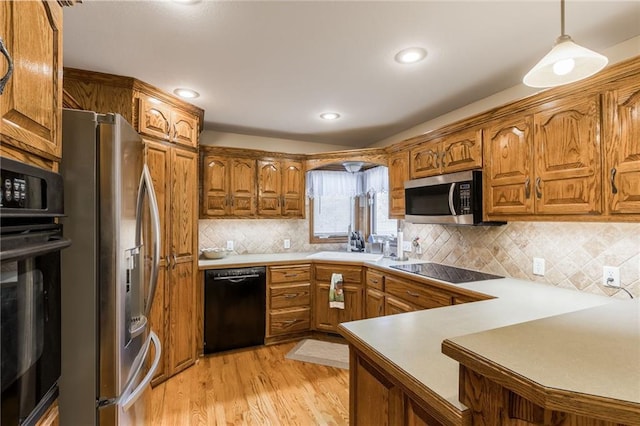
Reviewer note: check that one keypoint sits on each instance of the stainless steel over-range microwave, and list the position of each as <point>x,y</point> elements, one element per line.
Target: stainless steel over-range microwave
<point>454,198</point>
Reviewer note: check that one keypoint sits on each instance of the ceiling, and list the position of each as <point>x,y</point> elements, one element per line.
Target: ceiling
<point>270,68</point>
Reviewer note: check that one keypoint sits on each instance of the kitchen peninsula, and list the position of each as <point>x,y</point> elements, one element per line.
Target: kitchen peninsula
<point>397,366</point>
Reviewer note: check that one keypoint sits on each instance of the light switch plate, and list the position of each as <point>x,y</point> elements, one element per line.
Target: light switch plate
<point>406,246</point>
<point>229,244</point>
<point>287,243</point>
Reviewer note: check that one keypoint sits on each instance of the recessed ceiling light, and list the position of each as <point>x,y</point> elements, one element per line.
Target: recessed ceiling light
<point>186,1</point>
<point>410,55</point>
<point>329,115</point>
<point>186,93</point>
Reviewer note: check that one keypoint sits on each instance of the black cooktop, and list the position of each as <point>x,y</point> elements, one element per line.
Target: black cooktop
<point>446,273</point>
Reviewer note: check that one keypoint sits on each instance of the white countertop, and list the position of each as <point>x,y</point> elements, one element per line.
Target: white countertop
<point>412,341</point>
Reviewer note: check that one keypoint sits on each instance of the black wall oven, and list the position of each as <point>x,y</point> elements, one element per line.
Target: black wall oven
<point>30,245</point>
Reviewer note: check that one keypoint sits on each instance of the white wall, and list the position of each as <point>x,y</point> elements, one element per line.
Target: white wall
<point>236,140</point>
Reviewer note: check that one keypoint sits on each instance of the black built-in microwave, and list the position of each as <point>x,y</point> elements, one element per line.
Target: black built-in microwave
<point>454,199</point>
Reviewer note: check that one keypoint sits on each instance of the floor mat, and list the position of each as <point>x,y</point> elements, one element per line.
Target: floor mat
<point>320,352</point>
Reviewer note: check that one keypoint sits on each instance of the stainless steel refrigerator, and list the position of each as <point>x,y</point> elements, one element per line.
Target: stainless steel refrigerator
<point>109,352</point>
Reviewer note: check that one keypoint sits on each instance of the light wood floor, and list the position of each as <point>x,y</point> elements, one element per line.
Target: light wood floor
<point>253,387</point>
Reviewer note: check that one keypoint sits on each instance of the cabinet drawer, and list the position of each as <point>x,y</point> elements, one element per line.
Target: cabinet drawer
<point>417,294</point>
<point>375,280</point>
<point>350,274</point>
<point>394,306</point>
<point>290,295</point>
<point>289,274</point>
<point>289,321</point>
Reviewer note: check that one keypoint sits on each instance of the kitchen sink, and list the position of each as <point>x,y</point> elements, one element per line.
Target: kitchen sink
<point>345,255</point>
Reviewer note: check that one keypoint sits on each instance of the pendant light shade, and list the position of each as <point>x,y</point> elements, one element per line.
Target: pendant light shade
<point>567,62</point>
<point>353,166</point>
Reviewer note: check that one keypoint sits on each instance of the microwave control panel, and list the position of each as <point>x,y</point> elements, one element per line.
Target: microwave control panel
<point>464,191</point>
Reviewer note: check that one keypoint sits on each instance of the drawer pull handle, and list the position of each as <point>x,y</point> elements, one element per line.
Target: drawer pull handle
<point>289,322</point>
<point>374,281</point>
<point>290,295</point>
<point>411,293</point>
<point>290,275</point>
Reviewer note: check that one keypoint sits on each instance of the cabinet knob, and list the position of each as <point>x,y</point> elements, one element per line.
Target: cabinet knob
<point>614,190</point>
<point>7,75</point>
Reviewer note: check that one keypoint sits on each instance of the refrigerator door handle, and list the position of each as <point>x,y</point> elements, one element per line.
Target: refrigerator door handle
<point>146,186</point>
<point>132,396</point>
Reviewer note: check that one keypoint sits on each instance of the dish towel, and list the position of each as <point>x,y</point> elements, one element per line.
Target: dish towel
<point>336,296</point>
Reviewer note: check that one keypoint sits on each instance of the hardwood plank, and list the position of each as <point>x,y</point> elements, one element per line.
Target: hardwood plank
<point>253,387</point>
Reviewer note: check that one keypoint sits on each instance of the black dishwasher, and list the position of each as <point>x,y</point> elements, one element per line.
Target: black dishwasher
<point>234,308</point>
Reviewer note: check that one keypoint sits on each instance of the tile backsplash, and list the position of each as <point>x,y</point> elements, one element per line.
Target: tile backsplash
<point>574,253</point>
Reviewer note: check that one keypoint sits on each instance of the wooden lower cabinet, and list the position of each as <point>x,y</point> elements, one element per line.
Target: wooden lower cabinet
<point>394,306</point>
<point>181,346</point>
<point>326,318</point>
<point>377,399</point>
<point>288,301</point>
<point>374,303</point>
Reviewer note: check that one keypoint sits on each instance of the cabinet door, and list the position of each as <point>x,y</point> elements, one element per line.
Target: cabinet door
<point>215,184</point>
<point>398,174</point>
<point>394,306</point>
<point>374,303</point>
<point>181,347</point>
<point>158,159</point>
<point>508,168</point>
<point>567,148</point>
<point>462,151</point>
<point>31,105</point>
<point>425,160</point>
<point>183,203</point>
<point>269,187</point>
<point>243,190</point>
<point>622,146</point>
<point>376,399</point>
<point>326,318</point>
<point>292,188</point>
<point>154,118</point>
<point>184,129</point>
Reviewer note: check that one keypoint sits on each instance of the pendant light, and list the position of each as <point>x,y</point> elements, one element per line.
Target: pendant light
<point>567,62</point>
<point>353,166</point>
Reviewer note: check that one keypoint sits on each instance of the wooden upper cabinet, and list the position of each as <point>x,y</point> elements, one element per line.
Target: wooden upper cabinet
<point>453,153</point>
<point>160,120</point>
<point>215,178</point>
<point>243,187</point>
<point>184,177</point>
<point>621,135</point>
<point>425,160</point>
<point>398,174</point>
<point>567,157</point>
<point>151,111</point>
<point>462,151</point>
<point>508,168</point>
<point>228,186</point>
<point>31,105</point>
<point>545,163</point>
<point>280,188</point>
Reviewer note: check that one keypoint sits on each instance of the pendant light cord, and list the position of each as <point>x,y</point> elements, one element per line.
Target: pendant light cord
<point>561,17</point>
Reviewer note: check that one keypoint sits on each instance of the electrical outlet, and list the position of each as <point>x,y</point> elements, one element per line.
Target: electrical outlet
<point>538,266</point>
<point>287,243</point>
<point>229,244</point>
<point>611,276</point>
<point>406,246</point>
